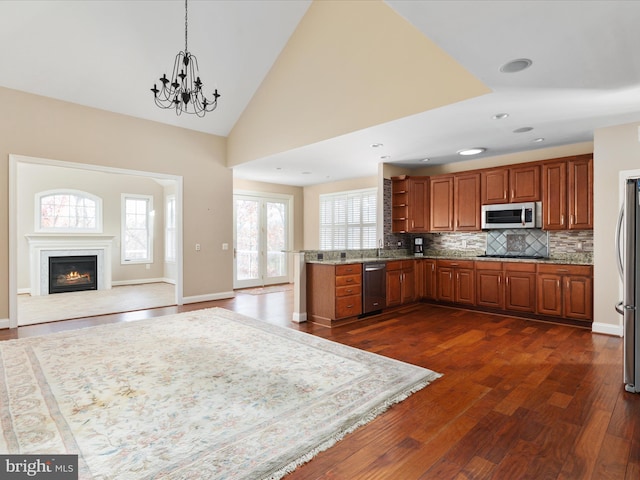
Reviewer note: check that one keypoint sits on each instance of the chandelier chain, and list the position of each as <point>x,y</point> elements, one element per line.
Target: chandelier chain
<point>186,25</point>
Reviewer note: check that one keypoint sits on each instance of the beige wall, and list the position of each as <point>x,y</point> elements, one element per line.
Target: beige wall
<point>44,128</point>
<point>616,149</point>
<point>349,65</point>
<point>312,205</point>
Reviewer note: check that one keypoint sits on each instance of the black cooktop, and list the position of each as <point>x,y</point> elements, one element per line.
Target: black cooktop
<point>507,255</point>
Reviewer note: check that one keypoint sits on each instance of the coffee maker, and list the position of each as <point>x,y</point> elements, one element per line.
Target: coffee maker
<point>418,247</point>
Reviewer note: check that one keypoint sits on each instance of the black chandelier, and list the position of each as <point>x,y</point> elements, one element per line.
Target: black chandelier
<point>184,90</point>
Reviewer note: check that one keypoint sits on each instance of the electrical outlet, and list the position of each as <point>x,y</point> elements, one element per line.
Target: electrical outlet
<point>197,247</point>
<point>225,246</point>
<point>464,244</point>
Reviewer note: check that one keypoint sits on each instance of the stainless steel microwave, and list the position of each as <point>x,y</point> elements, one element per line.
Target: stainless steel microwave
<point>512,215</point>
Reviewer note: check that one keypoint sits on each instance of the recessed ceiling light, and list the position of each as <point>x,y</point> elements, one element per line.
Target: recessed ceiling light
<point>523,129</point>
<point>278,168</point>
<point>516,65</point>
<point>377,145</point>
<point>385,157</point>
<point>306,173</point>
<point>425,159</point>
<point>500,116</point>
<point>537,140</point>
<point>472,151</point>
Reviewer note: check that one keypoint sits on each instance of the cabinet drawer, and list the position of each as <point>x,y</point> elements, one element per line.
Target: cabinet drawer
<point>456,263</point>
<point>520,267</point>
<point>559,269</point>
<point>348,306</point>
<point>348,290</point>
<point>394,265</point>
<point>488,265</point>
<point>343,280</point>
<point>349,269</point>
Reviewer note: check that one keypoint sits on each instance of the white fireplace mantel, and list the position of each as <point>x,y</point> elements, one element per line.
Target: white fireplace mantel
<point>43,246</point>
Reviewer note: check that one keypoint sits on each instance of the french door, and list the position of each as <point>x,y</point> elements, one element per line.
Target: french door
<point>261,240</point>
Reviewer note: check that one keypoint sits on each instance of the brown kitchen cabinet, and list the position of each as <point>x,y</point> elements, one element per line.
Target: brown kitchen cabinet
<point>409,204</point>
<point>441,203</point>
<point>401,285</point>
<point>466,209</point>
<point>454,202</point>
<point>565,291</point>
<point>456,281</point>
<point>511,185</point>
<point>399,204</point>
<point>520,287</point>
<point>567,194</point>
<point>334,292</point>
<point>426,280</point>
<point>489,285</point>
<point>418,221</point>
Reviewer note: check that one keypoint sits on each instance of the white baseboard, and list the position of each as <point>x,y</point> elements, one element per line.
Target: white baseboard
<point>23,291</point>
<point>607,329</point>
<point>299,317</point>
<point>4,323</point>
<point>209,297</point>
<point>142,281</point>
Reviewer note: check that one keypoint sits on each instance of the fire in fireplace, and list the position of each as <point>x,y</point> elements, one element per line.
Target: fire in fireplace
<point>72,274</point>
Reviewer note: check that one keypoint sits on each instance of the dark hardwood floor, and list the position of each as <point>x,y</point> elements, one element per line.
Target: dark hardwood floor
<point>519,399</point>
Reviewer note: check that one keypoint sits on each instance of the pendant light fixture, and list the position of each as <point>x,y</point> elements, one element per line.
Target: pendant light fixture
<point>183,91</point>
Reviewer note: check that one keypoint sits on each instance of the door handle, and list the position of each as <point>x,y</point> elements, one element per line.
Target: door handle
<point>618,240</point>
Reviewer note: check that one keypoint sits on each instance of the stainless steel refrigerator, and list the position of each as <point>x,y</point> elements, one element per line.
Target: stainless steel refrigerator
<point>628,255</point>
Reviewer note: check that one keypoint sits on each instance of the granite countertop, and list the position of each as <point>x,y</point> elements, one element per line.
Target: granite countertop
<point>566,259</point>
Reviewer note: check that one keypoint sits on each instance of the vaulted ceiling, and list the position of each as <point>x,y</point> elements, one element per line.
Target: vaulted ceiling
<point>307,88</point>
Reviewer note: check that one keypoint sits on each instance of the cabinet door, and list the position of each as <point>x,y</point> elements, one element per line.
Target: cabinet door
<point>495,186</point>
<point>489,289</point>
<point>524,184</point>
<point>580,190</point>
<point>394,287</point>
<point>418,204</point>
<point>554,196</point>
<point>520,291</point>
<point>467,202</point>
<point>441,203</point>
<point>465,291</point>
<point>430,280</point>
<point>578,297</point>
<point>445,284</point>
<point>408,290</point>
<point>549,294</point>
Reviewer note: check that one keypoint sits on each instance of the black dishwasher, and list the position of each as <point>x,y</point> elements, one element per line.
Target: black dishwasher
<point>374,283</point>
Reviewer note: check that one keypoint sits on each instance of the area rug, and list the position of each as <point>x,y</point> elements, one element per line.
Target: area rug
<point>208,394</point>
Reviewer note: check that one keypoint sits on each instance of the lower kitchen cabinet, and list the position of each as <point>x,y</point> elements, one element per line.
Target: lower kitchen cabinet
<point>456,281</point>
<point>489,285</point>
<point>520,287</point>
<point>565,291</point>
<point>426,280</point>
<point>401,283</point>
<point>334,292</point>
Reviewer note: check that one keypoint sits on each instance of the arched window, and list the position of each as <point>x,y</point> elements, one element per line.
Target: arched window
<point>68,211</point>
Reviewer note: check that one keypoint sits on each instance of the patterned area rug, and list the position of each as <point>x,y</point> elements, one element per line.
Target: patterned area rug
<point>208,394</point>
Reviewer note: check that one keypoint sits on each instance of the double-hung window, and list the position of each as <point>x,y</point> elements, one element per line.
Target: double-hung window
<point>137,229</point>
<point>348,220</point>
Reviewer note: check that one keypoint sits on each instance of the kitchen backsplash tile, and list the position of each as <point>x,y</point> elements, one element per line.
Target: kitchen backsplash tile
<point>531,242</point>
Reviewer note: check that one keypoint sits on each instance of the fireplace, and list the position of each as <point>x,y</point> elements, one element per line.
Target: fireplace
<point>73,273</point>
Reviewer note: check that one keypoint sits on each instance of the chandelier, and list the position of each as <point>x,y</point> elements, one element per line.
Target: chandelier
<point>183,91</point>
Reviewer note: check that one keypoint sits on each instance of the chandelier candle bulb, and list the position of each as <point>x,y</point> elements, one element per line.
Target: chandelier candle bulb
<point>184,90</point>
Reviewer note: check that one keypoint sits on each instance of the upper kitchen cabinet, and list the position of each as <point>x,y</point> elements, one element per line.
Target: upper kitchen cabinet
<point>409,204</point>
<point>441,203</point>
<point>399,204</point>
<point>455,202</point>
<point>466,193</point>
<point>511,185</point>
<point>567,194</point>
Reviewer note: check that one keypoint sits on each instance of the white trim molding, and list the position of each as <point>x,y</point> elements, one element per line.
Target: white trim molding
<point>607,329</point>
<point>208,297</point>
